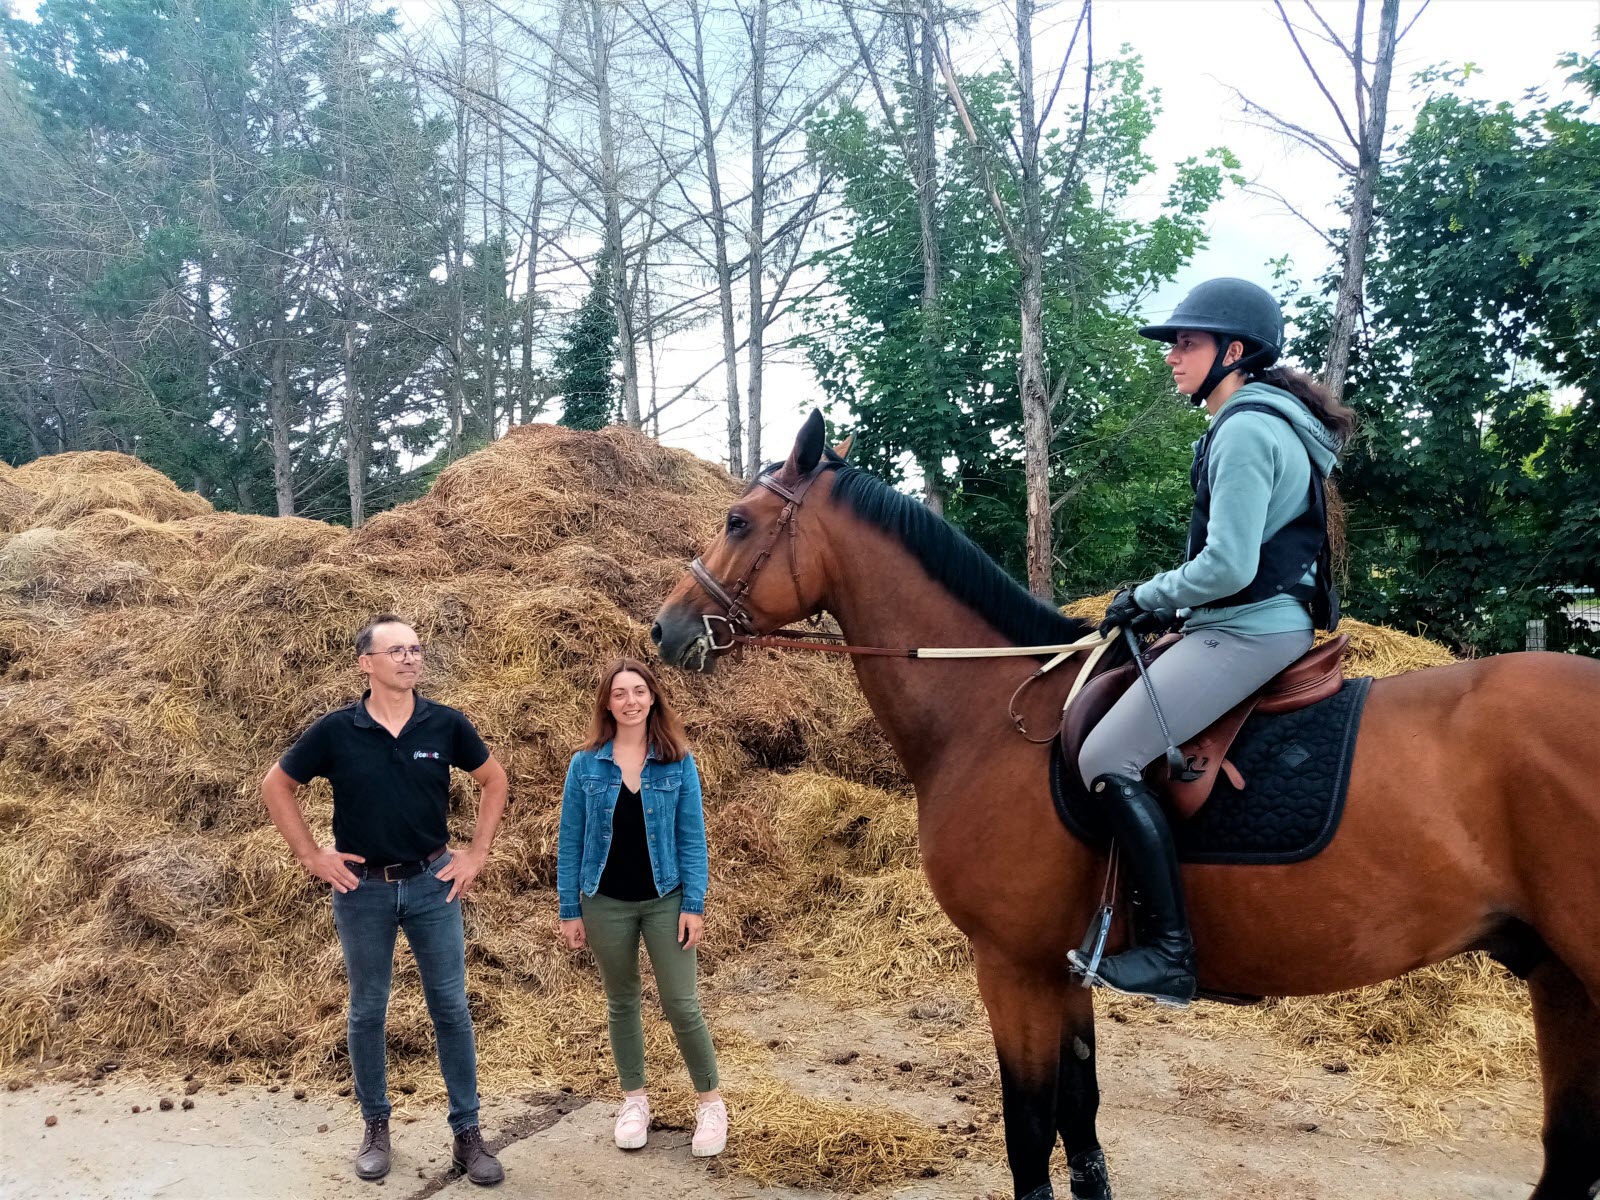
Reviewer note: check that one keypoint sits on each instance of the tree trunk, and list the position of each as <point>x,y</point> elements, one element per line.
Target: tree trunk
<point>758,206</point>
<point>719,239</point>
<point>622,301</point>
<point>653,412</point>
<point>1369,159</point>
<point>355,440</point>
<point>456,259</point>
<point>279,417</point>
<point>489,312</point>
<point>925,175</point>
<point>354,415</point>
<point>245,442</point>
<point>278,404</point>
<point>1035,394</point>
<point>530,406</point>
<point>505,282</point>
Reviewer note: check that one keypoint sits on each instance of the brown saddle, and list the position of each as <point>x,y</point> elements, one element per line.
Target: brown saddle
<point>1316,675</point>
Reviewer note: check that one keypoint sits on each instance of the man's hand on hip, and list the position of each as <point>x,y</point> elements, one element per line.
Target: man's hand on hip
<point>462,872</point>
<point>328,865</point>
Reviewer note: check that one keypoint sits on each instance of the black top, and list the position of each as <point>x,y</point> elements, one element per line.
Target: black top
<point>390,794</point>
<point>627,875</point>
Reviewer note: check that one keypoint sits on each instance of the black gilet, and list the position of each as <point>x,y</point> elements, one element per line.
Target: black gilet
<point>1288,554</point>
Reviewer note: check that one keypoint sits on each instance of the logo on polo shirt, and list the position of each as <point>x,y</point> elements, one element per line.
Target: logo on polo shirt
<point>415,754</point>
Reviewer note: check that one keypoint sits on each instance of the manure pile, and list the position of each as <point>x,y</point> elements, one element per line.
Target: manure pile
<point>156,656</point>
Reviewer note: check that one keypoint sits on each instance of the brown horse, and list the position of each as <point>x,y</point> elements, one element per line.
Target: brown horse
<point>1472,819</point>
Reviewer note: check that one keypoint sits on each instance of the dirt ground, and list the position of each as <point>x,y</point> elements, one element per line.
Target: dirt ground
<point>1187,1112</point>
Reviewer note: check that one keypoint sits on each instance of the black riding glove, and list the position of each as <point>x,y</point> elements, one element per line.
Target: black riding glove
<point>1125,611</point>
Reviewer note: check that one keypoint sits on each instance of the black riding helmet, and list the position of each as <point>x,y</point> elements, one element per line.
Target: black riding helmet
<point>1231,310</point>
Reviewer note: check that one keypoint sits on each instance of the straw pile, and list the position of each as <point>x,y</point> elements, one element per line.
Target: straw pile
<point>156,656</point>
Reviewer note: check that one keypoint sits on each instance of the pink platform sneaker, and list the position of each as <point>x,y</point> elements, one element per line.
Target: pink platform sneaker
<point>633,1123</point>
<point>710,1129</point>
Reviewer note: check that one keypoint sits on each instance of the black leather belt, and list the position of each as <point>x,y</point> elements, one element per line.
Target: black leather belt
<point>395,872</point>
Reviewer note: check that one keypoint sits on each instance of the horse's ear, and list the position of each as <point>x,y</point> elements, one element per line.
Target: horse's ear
<point>842,450</point>
<point>807,452</point>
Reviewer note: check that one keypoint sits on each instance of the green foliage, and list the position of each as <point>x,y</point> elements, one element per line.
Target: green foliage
<point>1474,496</point>
<point>583,364</point>
<point>934,388</point>
<point>204,185</point>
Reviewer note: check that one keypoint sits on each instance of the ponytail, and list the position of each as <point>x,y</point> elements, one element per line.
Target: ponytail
<point>1338,419</point>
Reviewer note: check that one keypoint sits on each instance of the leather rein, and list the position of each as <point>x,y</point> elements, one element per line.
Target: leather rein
<point>737,627</point>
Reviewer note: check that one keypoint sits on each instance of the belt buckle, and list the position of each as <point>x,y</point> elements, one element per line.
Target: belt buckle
<point>389,868</point>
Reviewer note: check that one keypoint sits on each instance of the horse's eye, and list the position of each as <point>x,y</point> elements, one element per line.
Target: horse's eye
<point>737,524</point>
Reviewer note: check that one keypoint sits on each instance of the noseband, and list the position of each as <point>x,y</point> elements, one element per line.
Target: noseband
<point>737,624</point>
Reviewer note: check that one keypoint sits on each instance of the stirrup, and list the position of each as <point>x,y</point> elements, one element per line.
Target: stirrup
<point>1085,960</point>
<point>1093,978</point>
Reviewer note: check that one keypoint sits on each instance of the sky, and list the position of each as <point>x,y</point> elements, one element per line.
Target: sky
<point>1196,52</point>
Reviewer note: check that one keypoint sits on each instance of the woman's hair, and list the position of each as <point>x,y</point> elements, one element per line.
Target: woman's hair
<point>663,729</point>
<point>1338,419</point>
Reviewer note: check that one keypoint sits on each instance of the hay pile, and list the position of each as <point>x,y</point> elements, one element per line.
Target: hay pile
<point>156,656</point>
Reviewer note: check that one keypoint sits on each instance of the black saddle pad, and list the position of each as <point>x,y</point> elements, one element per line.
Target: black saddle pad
<point>1296,769</point>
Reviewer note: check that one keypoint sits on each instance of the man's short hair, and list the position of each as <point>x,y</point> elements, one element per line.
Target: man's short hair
<point>364,638</point>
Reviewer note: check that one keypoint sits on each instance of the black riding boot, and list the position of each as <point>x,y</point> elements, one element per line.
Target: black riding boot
<point>1162,966</point>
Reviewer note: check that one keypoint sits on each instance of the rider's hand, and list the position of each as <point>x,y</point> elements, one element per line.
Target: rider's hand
<point>328,865</point>
<point>573,935</point>
<point>1120,612</point>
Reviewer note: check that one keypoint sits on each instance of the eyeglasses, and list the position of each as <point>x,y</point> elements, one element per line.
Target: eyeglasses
<point>400,653</point>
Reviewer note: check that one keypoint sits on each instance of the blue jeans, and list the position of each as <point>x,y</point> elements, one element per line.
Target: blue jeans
<point>367,919</point>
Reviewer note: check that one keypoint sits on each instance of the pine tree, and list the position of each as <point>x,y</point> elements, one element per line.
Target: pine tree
<point>583,364</point>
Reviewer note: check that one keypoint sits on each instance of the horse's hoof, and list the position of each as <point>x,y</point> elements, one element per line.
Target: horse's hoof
<point>1090,1179</point>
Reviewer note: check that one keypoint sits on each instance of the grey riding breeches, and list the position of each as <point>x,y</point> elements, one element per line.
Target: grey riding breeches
<point>1199,679</point>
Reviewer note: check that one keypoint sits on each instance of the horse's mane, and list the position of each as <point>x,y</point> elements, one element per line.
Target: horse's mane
<point>955,562</point>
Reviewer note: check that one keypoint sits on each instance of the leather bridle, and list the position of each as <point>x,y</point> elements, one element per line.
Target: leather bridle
<point>737,623</point>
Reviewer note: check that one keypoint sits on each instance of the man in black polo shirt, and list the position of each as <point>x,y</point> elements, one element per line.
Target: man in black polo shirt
<point>388,757</point>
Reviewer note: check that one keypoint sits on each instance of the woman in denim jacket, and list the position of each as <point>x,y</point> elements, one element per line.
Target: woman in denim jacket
<point>632,863</point>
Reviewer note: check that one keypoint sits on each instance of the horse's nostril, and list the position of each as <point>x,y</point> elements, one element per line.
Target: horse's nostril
<point>655,633</point>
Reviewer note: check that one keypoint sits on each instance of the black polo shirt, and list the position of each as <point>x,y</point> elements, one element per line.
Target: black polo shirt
<point>390,794</point>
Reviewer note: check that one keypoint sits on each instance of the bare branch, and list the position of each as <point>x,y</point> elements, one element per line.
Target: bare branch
<point>1294,36</point>
<point>1261,189</point>
<point>1304,136</point>
<point>1066,57</point>
<point>1414,18</point>
<point>942,51</point>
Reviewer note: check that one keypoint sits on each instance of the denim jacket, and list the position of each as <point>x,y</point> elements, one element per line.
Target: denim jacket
<point>674,823</point>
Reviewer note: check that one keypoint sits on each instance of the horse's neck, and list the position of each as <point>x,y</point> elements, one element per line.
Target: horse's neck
<point>925,706</point>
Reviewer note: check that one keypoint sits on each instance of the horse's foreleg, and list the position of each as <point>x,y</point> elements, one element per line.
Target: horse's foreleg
<point>1078,1098</point>
<point>1567,1022</point>
<point>1025,1005</point>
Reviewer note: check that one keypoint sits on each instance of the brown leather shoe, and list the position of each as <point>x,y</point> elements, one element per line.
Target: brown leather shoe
<point>472,1157</point>
<point>372,1160</point>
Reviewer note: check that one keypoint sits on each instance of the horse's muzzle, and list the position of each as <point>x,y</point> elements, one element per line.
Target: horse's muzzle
<point>682,640</point>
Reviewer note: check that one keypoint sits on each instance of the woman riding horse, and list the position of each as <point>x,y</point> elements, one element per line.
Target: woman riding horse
<point>1256,584</point>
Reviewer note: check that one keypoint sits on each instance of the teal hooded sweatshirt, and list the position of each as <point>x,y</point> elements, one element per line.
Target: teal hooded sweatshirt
<point>1259,468</point>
